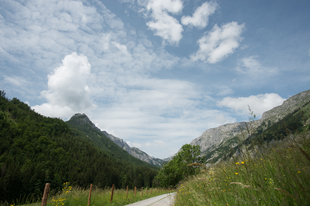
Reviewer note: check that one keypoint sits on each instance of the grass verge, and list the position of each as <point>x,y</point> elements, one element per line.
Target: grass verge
<point>74,196</point>
<point>277,175</point>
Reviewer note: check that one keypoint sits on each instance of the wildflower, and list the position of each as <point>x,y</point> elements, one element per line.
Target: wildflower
<point>242,162</point>
<point>236,173</point>
<point>299,172</point>
<point>237,163</point>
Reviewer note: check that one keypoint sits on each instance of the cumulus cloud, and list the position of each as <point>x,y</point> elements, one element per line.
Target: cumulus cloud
<point>258,104</point>
<point>251,66</point>
<point>129,102</point>
<point>158,6</point>
<point>201,15</point>
<point>163,24</point>
<point>218,43</point>
<point>68,91</point>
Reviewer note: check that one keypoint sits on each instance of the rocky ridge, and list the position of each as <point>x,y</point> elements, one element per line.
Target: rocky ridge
<point>213,138</point>
<point>133,151</point>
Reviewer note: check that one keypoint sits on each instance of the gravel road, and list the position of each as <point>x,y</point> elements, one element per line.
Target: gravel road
<point>162,200</point>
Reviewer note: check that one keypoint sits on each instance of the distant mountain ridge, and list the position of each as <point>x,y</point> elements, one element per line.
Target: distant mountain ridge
<point>213,137</point>
<point>215,142</point>
<point>135,152</point>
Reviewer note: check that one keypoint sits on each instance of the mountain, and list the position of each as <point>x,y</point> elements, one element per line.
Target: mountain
<point>213,138</point>
<point>134,151</point>
<point>100,138</point>
<point>35,150</point>
<point>217,142</point>
<point>290,105</point>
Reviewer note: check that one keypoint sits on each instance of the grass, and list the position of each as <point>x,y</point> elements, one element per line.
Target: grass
<point>74,196</point>
<point>277,175</point>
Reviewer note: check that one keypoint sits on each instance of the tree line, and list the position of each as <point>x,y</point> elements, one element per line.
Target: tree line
<point>35,150</point>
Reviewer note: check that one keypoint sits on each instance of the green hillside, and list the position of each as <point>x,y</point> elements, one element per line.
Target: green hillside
<point>86,131</point>
<point>35,149</point>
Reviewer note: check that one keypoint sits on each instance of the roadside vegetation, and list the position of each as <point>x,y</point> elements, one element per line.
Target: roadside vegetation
<point>278,177</point>
<point>75,196</point>
<point>265,173</point>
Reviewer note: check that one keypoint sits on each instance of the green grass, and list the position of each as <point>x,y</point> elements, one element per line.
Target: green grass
<point>279,175</point>
<point>76,196</point>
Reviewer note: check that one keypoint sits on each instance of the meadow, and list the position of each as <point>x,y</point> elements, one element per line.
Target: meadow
<point>277,174</point>
<point>75,196</point>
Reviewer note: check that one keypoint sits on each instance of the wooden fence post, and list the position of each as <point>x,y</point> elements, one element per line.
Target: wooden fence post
<point>135,191</point>
<point>45,194</point>
<point>89,196</point>
<point>112,193</point>
<point>127,193</point>
<point>142,192</point>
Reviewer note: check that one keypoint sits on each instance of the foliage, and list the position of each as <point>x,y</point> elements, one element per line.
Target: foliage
<point>78,196</point>
<point>277,174</point>
<point>85,131</point>
<point>177,168</point>
<point>35,150</point>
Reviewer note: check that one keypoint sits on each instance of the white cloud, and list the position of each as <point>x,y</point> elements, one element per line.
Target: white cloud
<point>16,81</point>
<point>201,15</point>
<point>252,67</point>
<point>163,24</point>
<point>68,91</point>
<point>258,104</point>
<point>158,6</point>
<point>224,91</point>
<point>130,103</point>
<point>219,42</point>
<point>149,109</point>
<point>122,48</point>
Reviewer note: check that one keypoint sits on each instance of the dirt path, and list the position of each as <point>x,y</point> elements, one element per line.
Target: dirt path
<point>162,200</point>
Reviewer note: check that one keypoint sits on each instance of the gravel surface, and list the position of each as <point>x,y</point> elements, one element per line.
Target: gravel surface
<point>162,200</point>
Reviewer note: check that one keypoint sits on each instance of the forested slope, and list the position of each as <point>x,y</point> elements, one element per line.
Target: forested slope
<point>83,128</point>
<point>35,149</point>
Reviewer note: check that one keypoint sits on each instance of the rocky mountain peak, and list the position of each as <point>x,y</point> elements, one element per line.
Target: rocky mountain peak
<point>287,107</point>
<point>211,138</point>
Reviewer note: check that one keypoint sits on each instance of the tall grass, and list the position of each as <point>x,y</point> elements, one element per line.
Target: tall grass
<point>277,175</point>
<point>75,196</point>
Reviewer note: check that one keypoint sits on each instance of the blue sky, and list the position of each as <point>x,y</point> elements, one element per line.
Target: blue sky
<point>156,73</point>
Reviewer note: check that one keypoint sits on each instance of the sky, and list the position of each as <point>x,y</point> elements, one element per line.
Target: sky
<point>155,73</point>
